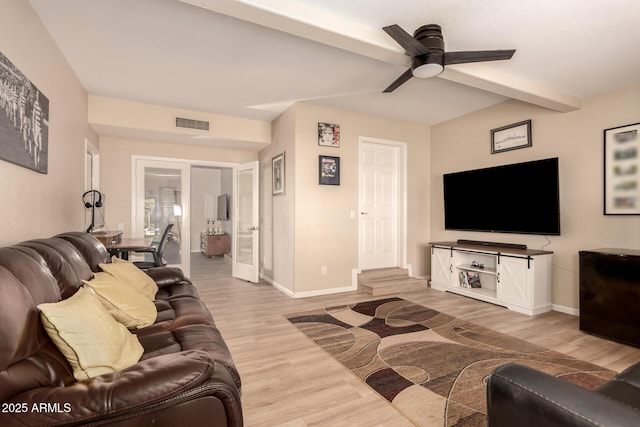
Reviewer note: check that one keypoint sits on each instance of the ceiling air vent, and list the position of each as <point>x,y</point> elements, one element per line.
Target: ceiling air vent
<point>191,124</point>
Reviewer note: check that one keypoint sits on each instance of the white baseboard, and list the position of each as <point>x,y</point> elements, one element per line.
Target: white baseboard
<point>354,276</point>
<point>278,286</point>
<point>409,268</point>
<point>307,294</point>
<point>565,309</point>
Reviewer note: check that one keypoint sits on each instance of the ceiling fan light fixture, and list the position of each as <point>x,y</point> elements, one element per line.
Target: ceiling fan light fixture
<point>425,66</point>
<point>427,70</point>
<point>428,57</point>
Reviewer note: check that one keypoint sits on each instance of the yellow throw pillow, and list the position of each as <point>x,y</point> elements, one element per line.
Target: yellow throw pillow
<point>125,304</point>
<point>128,272</point>
<point>88,336</point>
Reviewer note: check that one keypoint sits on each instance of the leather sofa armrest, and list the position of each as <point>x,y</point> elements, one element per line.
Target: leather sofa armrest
<point>149,385</point>
<point>520,396</point>
<point>166,276</point>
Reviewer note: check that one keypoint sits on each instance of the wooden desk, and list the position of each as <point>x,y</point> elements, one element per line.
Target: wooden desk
<point>122,248</point>
<point>107,238</point>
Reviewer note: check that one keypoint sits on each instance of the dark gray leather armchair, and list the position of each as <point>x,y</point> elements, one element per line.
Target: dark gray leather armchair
<point>521,396</point>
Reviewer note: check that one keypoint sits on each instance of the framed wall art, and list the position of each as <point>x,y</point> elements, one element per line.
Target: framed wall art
<point>277,168</point>
<point>621,175</point>
<point>329,170</point>
<point>329,135</point>
<point>24,120</point>
<point>511,137</point>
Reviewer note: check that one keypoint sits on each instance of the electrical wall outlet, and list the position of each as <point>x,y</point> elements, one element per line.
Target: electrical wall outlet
<point>323,270</point>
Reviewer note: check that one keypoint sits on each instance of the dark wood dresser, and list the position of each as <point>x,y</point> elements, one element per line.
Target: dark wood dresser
<point>214,244</point>
<point>610,294</point>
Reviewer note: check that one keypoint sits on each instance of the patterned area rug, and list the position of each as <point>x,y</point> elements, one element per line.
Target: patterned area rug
<point>430,366</point>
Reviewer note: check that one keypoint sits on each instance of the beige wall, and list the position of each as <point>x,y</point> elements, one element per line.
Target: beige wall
<point>115,174</point>
<point>577,139</point>
<point>323,233</point>
<point>277,214</point>
<point>33,204</point>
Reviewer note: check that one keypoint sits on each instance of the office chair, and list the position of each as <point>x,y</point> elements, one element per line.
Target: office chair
<point>156,251</point>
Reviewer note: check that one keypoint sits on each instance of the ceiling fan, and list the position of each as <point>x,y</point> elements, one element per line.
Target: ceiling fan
<point>428,57</point>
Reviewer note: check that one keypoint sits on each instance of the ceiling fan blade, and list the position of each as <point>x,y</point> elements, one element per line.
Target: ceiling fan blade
<point>477,56</point>
<point>404,39</point>
<point>399,81</point>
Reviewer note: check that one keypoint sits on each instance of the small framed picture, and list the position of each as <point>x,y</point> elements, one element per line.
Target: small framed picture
<point>277,168</point>
<point>329,170</point>
<point>622,170</point>
<point>328,135</point>
<point>511,137</point>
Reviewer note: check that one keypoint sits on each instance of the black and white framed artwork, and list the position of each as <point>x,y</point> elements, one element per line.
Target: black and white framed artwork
<point>24,119</point>
<point>329,135</point>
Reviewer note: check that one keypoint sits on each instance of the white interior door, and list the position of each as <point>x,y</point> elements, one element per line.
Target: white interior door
<point>162,194</point>
<point>246,236</point>
<point>378,224</point>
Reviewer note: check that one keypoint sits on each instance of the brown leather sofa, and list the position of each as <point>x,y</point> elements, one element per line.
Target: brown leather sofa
<point>518,395</point>
<point>185,377</point>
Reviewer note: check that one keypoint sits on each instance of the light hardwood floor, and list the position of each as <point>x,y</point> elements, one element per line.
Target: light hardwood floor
<point>289,381</point>
<point>216,267</point>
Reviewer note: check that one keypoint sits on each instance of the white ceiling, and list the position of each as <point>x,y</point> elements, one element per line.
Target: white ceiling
<point>254,58</point>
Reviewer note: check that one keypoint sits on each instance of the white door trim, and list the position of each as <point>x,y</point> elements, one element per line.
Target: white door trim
<point>190,162</point>
<point>135,181</point>
<point>401,199</point>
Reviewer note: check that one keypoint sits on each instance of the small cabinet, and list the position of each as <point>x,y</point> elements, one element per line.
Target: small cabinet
<point>519,279</point>
<point>214,244</point>
<point>514,277</point>
<point>441,266</point>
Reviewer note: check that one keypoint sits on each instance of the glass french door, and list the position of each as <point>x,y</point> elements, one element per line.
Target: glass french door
<point>245,219</point>
<point>162,198</point>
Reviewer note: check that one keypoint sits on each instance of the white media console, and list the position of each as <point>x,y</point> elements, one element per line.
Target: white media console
<point>514,277</point>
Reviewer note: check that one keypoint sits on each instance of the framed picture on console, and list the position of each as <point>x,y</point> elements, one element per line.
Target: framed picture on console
<point>622,170</point>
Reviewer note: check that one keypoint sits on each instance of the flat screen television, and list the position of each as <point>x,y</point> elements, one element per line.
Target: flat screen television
<point>516,198</point>
<point>223,207</point>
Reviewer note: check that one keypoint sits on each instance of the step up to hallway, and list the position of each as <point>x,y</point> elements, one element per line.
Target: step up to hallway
<point>387,281</point>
